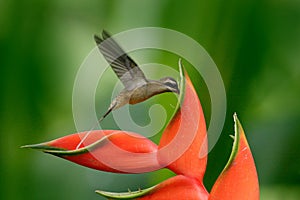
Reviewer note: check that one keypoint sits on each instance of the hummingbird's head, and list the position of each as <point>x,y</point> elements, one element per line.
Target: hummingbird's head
<point>170,84</point>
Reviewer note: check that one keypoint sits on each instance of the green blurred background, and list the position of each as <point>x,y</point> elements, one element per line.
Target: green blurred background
<point>255,44</point>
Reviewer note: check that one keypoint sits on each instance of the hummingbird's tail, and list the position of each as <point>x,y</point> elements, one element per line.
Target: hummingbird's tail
<point>111,108</point>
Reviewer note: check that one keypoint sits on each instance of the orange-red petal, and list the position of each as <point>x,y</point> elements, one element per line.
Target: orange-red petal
<point>106,150</point>
<point>184,139</point>
<point>179,187</point>
<point>239,178</point>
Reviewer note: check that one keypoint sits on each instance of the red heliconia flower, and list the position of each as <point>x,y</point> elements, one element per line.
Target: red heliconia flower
<point>182,149</point>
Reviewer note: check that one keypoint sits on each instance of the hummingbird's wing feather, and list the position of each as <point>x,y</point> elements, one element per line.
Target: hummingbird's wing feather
<point>125,68</point>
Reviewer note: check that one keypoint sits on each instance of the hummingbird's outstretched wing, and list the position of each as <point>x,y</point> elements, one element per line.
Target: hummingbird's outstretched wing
<point>125,68</point>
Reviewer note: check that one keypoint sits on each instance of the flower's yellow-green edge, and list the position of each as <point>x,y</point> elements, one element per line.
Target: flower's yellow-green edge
<point>236,141</point>
<point>125,195</point>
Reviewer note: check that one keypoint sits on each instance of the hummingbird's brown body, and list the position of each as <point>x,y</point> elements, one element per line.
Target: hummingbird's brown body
<point>144,92</point>
<point>139,94</point>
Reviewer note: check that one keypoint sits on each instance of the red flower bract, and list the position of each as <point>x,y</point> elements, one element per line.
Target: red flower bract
<point>239,178</point>
<point>186,134</point>
<point>178,187</point>
<point>107,150</point>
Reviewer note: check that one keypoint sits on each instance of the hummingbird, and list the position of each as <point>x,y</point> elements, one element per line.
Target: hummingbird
<point>137,88</point>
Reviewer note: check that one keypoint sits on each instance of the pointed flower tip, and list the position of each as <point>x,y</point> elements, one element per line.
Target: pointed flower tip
<point>235,119</point>
<point>41,147</point>
<point>237,126</point>
<point>180,67</point>
<point>234,115</point>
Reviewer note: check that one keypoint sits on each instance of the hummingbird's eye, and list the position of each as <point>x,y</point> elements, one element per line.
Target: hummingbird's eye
<point>171,84</point>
